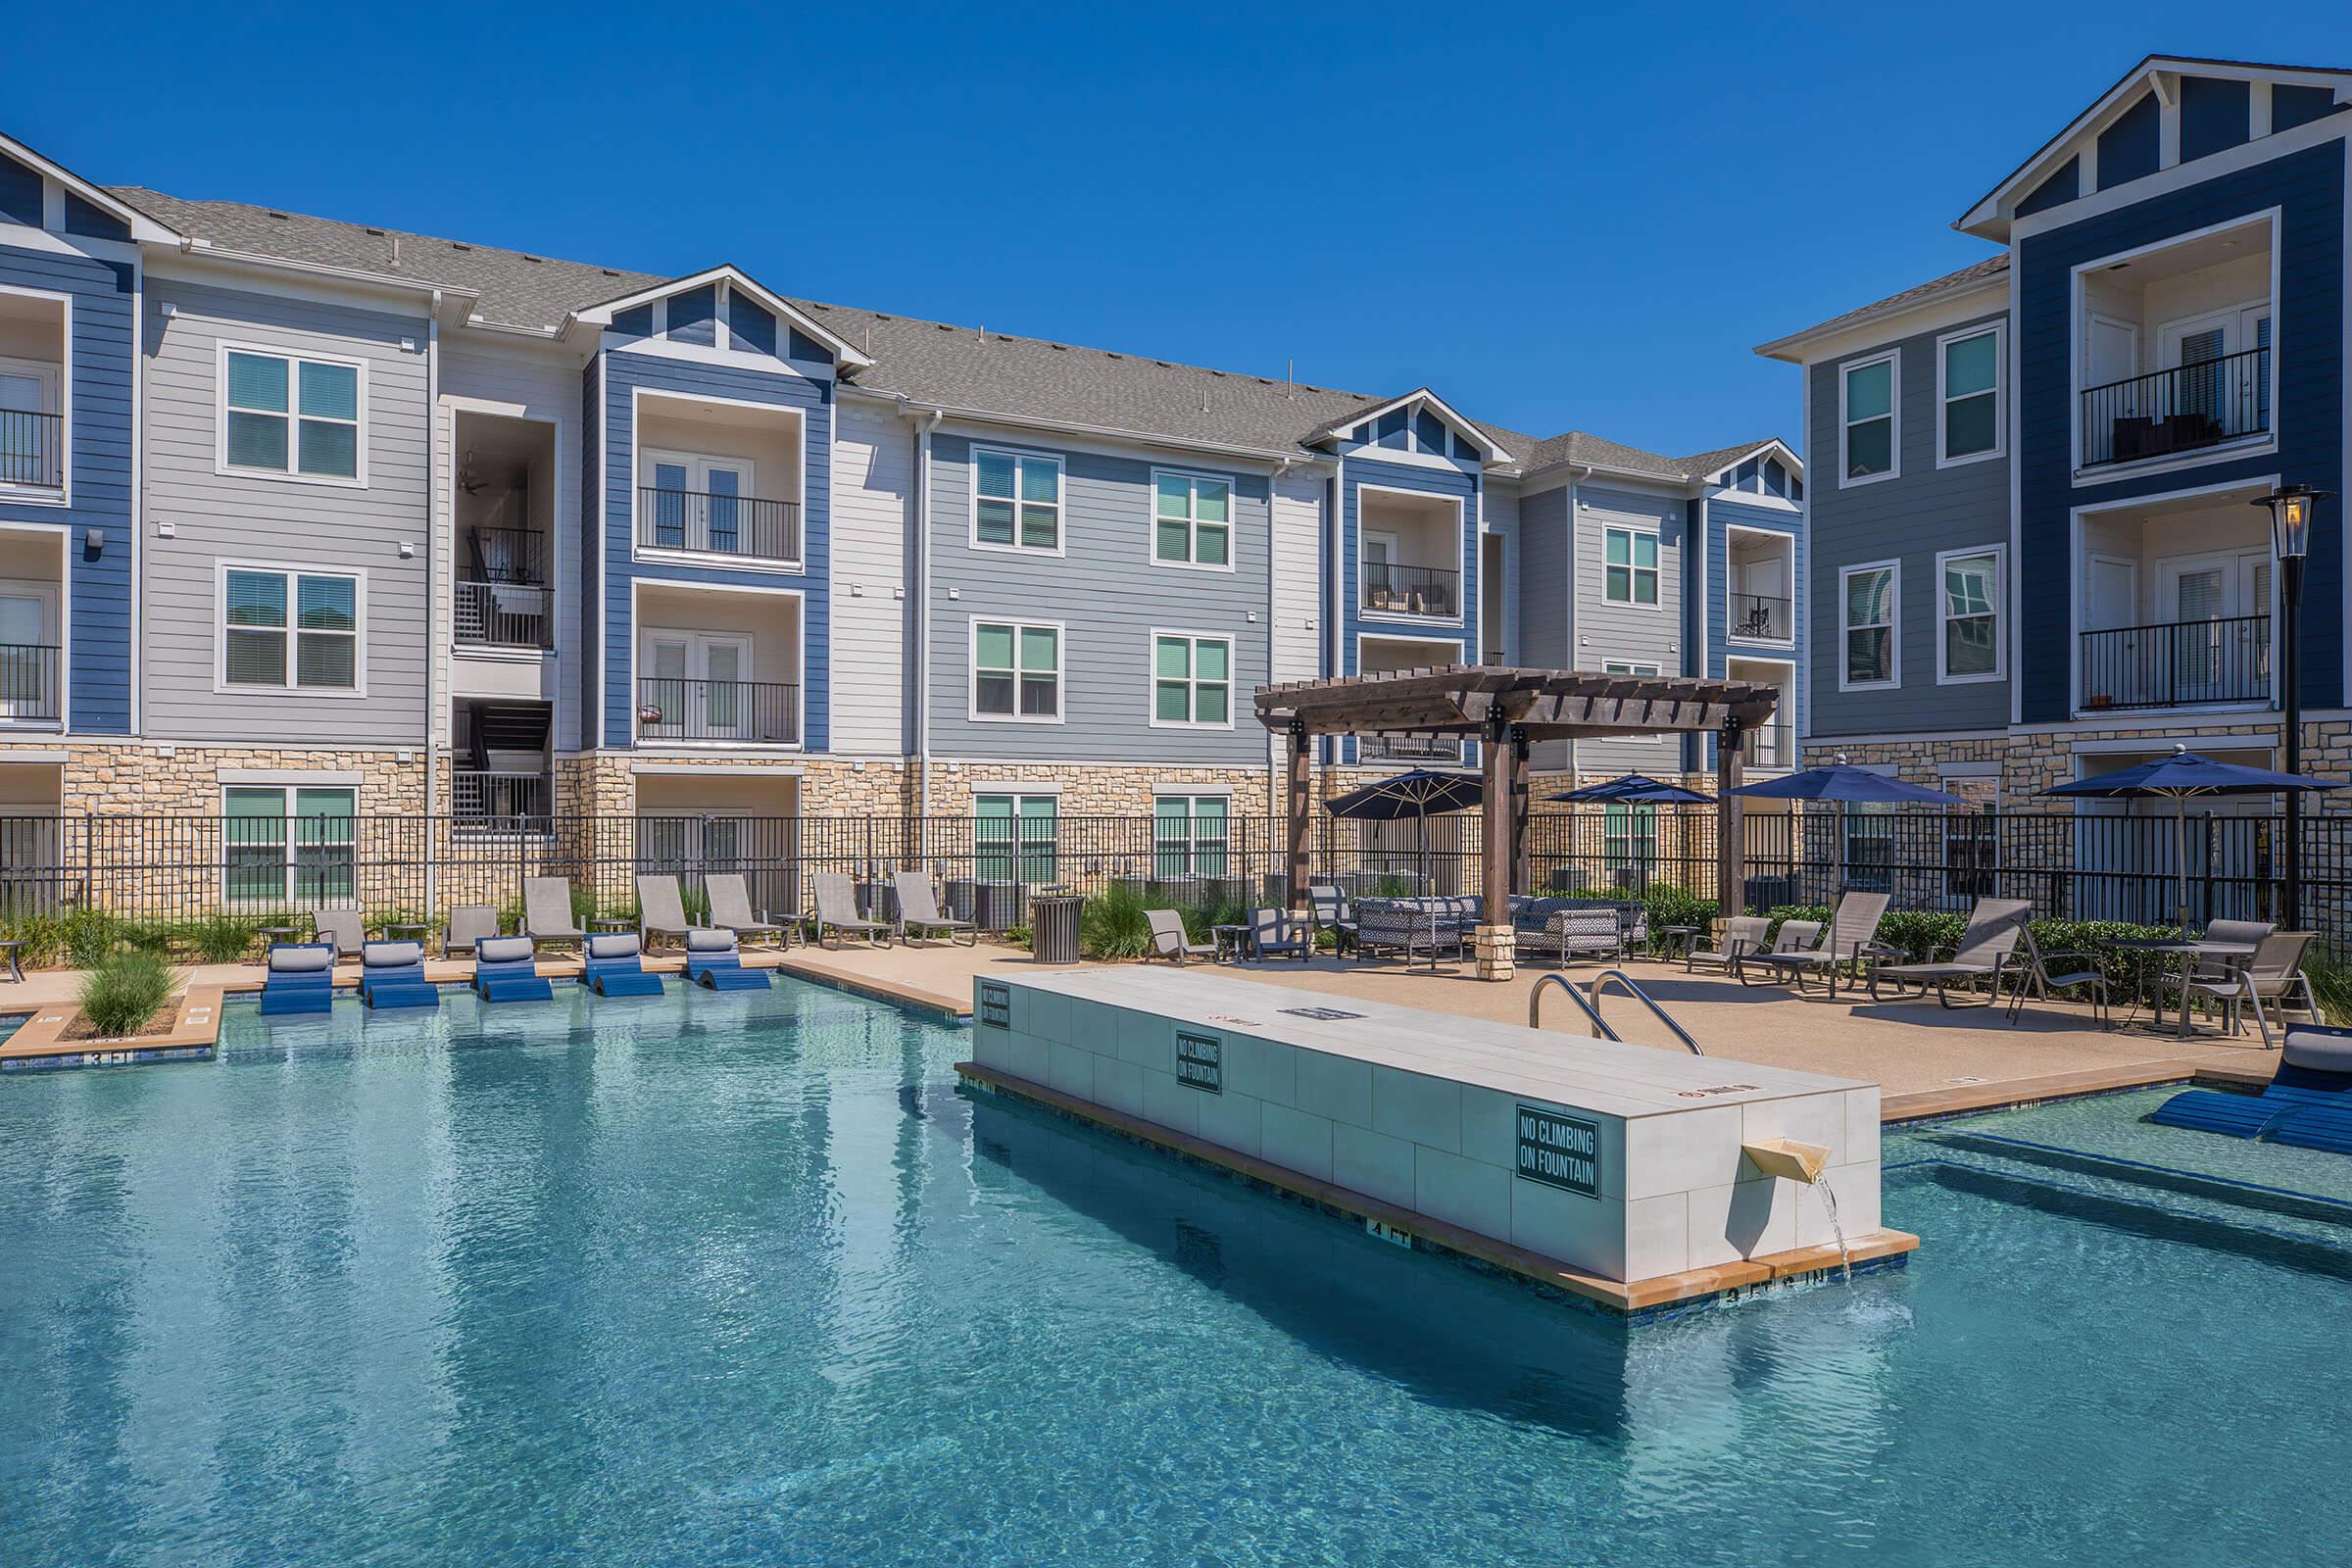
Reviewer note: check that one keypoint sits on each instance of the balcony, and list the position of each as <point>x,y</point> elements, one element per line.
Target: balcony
<point>2178,664</point>
<point>751,712</point>
<point>1393,590</point>
<point>33,450</point>
<point>1768,746</point>
<point>1415,748</point>
<point>488,801</point>
<point>502,593</point>
<point>2206,403</point>
<point>1762,618</point>
<point>29,688</point>
<point>713,523</point>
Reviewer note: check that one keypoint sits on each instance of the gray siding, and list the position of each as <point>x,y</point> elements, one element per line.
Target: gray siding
<point>1909,518</point>
<point>220,516</point>
<point>1608,633</point>
<point>1545,582</point>
<point>873,488</point>
<point>1108,597</point>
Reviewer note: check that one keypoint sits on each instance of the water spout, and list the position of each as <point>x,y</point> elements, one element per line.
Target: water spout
<point>1807,1165</point>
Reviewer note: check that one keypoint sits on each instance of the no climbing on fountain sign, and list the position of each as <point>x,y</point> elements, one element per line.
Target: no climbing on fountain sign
<point>1559,1150</point>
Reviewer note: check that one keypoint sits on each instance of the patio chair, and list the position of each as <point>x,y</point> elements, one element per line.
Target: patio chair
<point>546,910</point>
<point>1402,925</point>
<point>1982,953</point>
<point>1327,907</point>
<point>837,910</point>
<point>1585,932</point>
<point>919,912</point>
<point>1793,936</point>
<point>1169,940</point>
<point>300,978</point>
<point>2276,974</point>
<point>2218,982</point>
<point>714,961</point>
<point>731,906</point>
<point>345,929</point>
<point>615,968</point>
<point>1272,935</point>
<point>661,910</point>
<point>2042,973</point>
<point>468,924</point>
<point>507,969</point>
<point>1852,939</point>
<point>392,975</point>
<point>2306,1104</point>
<point>1742,933</point>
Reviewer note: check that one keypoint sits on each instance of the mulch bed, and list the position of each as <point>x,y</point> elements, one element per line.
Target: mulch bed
<point>165,1019</point>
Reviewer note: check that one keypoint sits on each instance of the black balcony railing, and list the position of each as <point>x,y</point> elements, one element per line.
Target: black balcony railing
<point>1761,617</point>
<point>755,712</point>
<point>2178,663</point>
<point>506,555</point>
<point>1768,746</point>
<point>482,801</point>
<point>1392,590</point>
<point>29,693</point>
<point>1408,749</point>
<point>710,524</point>
<point>505,614</point>
<point>2197,404</point>
<point>32,449</point>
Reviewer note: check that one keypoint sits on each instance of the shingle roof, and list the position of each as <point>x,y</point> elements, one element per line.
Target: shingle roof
<point>1918,294</point>
<point>930,362</point>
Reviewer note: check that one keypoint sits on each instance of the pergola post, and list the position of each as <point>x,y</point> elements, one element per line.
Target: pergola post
<point>1730,841</point>
<point>1497,840</point>
<point>1523,872</point>
<point>1299,807</point>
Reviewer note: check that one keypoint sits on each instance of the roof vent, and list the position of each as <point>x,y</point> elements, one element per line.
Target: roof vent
<point>607,271</point>
<point>1060,348</point>
<point>459,245</point>
<point>273,211</point>
<point>378,232</point>
<point>531,257</point>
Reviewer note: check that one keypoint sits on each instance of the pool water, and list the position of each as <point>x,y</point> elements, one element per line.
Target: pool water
<point>734,1279</point>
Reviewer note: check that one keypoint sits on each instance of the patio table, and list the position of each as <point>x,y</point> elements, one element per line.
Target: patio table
<point>1232,941</point>
<point>2188,952</point>
<point>1677,940</point>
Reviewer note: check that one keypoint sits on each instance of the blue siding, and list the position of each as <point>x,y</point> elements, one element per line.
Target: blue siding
<point>98,605</point>
<point>1722,513</point>
<point>1361,471</point>
<point>635,322</point>
<point>805,347</point>
<point>19,193</point>
<point>2292,105</point>
<point>83,219</point>
<point>2064,185</point>
<point>751,325</point>
<point>2214,115</point>
<point>2130,148</point>
<point>592,558</point>
<point>2307,187</point>
<point>624,373</point>
<point>694,315</point>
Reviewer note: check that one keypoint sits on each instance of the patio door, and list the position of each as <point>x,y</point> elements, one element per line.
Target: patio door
<point>700,683</point>
<point>29,672</point>
<point>29,449</point>
<point>2218,604</point>
<point>700,502</point>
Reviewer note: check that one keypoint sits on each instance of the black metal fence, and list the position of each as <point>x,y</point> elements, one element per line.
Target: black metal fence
<point>32,449</point>
<point>1411,590</point>
<point>2172,663</point>
<point>2200,404</point>
<point>713,523</point>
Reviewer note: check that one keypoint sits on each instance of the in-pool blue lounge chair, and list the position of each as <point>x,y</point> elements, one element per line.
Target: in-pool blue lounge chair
<point>505,971</point>
<point>300,978</point>
<point>613,970</point>
<point>714,961</point>
<point>392,975</point>
<point>2307,1104</point>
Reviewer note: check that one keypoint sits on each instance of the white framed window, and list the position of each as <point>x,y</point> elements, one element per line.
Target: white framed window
<point>1619,666</point>
<point>1015,837</point>
<point>1630,561</point>
<point>282,630</point>
<point>1016,500</point>
<point>289,845</point>
<point>1192,519</point>
<point>1016,671</point>
<point>1870,419</point>
<point>1968,640</point>
<point>1192,680</point>
<point>1870,654</point>
<point>1190,835</point>
<point>1971,420</point>
<point>296,417</point>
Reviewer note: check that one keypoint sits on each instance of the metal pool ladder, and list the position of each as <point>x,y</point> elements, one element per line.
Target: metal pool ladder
<point>1591,1008</point>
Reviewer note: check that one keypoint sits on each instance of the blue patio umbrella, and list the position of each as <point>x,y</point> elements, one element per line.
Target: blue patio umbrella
<point>2177,777</point>
<point>1418,794</point>
<point>1847,785</point>
<point>1635,788</point>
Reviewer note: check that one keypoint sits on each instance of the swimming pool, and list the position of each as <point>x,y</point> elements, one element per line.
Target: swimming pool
<point>744,1278</point>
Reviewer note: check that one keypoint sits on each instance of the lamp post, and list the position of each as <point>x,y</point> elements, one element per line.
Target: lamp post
<point>2291,507</point>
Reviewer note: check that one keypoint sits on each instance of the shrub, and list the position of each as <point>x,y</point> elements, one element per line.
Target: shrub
<point>124,992</point>
<point>219,938</point>
<point>1112,925</point>
<point>44,935</point>
<point>90,937</point>
<point>1017,936</point>
<point>2330,982</point>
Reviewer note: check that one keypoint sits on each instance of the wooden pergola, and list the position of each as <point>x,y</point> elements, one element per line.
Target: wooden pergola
<point>1509,709</point>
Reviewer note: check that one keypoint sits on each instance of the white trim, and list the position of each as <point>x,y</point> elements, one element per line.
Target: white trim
<point>1190,791</point>
<point>1191,682</point>
<point>1341,429</point>
<point>638,583</point>
<point>1783,536</point>
<point>1998,331</point>
<point>1232,524</point>
<point>287,782</point>
<point>294,360</point>
<point>1020,456</point>
<point>1893,358</point>
<point>292,630</point>
<point>1398,618</point>
<point>143,228</point>
<point>993,786</point>
<point>734,278</point>
<point>1894,627</point>
<point>63,393</point>
<point>793,414</point>
<point>1654,530</point>
<point>971,670</point>
<point>2000,612</point>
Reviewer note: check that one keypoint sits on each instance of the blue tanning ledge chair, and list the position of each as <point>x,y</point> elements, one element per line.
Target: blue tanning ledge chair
<point>713,961</point>
<point>300,978</point>
<point>503,970</point>
<point>2306,1104</point>
<point>392,975</point>
<point>613,968</point>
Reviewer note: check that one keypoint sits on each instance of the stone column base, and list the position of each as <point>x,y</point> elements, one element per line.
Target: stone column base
<point>1497,948</point>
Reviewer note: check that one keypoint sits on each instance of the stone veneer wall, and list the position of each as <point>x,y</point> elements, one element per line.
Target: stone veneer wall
<point>2032,761</point>
<point>151,779</point>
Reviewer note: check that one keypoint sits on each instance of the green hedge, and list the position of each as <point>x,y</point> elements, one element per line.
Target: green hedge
<point>1917,931</point>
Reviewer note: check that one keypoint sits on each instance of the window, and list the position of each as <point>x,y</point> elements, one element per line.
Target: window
<point>704,503</point>
<point>1192,520</point>
<point>1968,382</point>
<point>1628,843</point>
<point>290,416</point>
<point>1866,410</point>
<point>289,629</point>
<point>1192,679</point>
<point>1971,644</point>
<point>1631,557</point>
<point>286,844</point>
<point>1618,667</point>
<point>1016,500</point>
<point>1190,834</point>
<point>1869,594</point>
<point>1016,671</point>
<point>1869,849</point>
<point>1013,838</point>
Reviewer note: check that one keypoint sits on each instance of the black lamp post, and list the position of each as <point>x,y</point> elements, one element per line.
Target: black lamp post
<point>2291,507</point>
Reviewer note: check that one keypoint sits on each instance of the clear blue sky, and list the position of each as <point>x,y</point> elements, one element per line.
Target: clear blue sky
<point>1557,216</point>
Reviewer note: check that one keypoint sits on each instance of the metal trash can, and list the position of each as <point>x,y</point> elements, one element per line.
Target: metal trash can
<point>1054,927</point>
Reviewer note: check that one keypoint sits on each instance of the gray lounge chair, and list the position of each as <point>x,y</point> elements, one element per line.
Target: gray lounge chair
<point>2072,973</point>
<point>546,910</point>
<point>1169,940</point>
<point>1982,953</point>
<point>731,907</point>
<point>919,912</point>
<point>661,910</point>
<point>1327,906</point>
<point>347,929</point>
<point>837,910</point>
<point>468,925</point>
<point>1853,937</point>
<point>1742,934</point>
<point>1794,937</point>
<point>2276,974</point>
<point>1272,935</point>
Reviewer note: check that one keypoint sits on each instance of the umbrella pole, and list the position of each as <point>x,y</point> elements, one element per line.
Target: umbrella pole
<point>2181,858</point>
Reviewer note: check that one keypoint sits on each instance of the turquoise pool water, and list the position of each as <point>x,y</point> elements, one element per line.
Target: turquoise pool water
<point>745,1279</point>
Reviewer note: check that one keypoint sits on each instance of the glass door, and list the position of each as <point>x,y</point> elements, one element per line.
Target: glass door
<point>28,674</point>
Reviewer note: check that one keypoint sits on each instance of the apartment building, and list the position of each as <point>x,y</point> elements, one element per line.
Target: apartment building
<point>2038,551</point>
<point>316,518</point>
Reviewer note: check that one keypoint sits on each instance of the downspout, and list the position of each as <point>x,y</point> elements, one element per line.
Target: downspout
<point>923,605</point>
<point>1577,476</point>
<point>434,495</point>
<point>1274,767</point>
